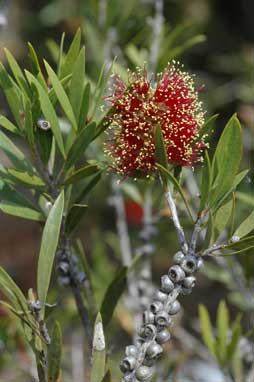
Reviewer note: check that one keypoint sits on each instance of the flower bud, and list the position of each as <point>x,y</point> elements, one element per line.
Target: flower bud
<point>143,373</point>
<point>176,273</point>
<point>189,264</point>
<point>178,257</point>
<point>148,317</point>
<point>128,364</point>
<point>166,284</point>
<point>156,306</point>
<point>131,350</point>
<point>154,351</point>
<point>162,318</point>
<point>174,308</point>
<point>189,282</point>
<point>163,336</point>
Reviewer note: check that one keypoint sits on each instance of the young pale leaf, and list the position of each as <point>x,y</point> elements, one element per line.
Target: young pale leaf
<point>71,56</point>
<point>206,327</point>
<point>17,72</point>
<point>235,338</point>
<point>246,226</point>
<point>81,173</point>
<point>12,94</point>
<point>77,84</point>
<point>54,354</point>
<point>99,351</point>
<point>8,125</point>
<point>48,111</point>
<point>84,107</point>
<point>36,69</point>
<point>61,95</point>
<point>14,154</point>
<point>222,327</point>
<point>112,295</point>
<point>167,175</point>
<point>226,159</point>
<point>80,144</point>
<point>21,211</point>
<point>48,248</point>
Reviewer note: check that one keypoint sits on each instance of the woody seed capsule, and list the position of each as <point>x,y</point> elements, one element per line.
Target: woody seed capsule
<point>156,306</point>
<point>131,351</point>
<point>161,296</point>
<point>174,308</point>
<point>143,373</point>
<point>178,257</point>
<point>176,273</point>
<point>154,351</point>
<point>148,317</point>
<point>166,284</point>
<point>189,264</point>
<point>163,336</point>
<point>128,364</point>
<point>147,331</point>
<point>162,318</point>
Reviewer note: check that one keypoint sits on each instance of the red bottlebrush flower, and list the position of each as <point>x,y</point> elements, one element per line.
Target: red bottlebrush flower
<point>139,107</point>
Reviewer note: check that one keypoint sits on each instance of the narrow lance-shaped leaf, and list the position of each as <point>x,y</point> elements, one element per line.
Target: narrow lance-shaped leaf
<point>61,95</point>
<point>48,111</point>
<point>71,55</point>
<point>77,84</point>
<point>84,107</point>
<point>206,328</point>
<point>206,182</point>
<point>36,69</point>
<point>208,125</point>
<point>8,125</point>
<point>222,327</point>
<point>54,354</point>
<point>48,248</point>
<point>82,173</point>
<point>99,351</point>
<point>160,150</point>
<point>246,226</point>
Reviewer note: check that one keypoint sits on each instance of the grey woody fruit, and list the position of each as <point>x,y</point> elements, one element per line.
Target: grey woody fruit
<point>131,350</point>
<point>176,273</point>
<point>156,306</point>
<point>189,282</point>
<point>166,284</point>
<point>200,263</point>
<point>128,364</point>
<point>174,308</point>
<point>163,336</point>
<point>63,267</point>
<point>162,318</point>
<point>64,280</point>
<point>186,291</point>
<point>161,296</point>
<point>148,317</point>
<point>148,331</point>
<point>189,264</point>
<point>143,373</point>
<point>149,361</point>
<point>43,124</point>
<point>154,351</point>
<point>178,257</point>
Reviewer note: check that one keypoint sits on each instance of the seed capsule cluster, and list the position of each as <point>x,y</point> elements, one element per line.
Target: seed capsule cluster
<point>137,366</point>
<point>68,270</point>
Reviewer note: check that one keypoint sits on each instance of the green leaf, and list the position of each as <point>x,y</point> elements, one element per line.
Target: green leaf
<point>160,150</point>
<point>246,226</point>
<point>244,243</point>
<point>29,124</point>
<point>54,355</point>
<point>17,72</point>
<point>166,173</point>
<point>206,328</point>
<point>226,159</point>
<point>80,144</point>
<point>113,294</point>
<point>206,182</point>
<point>6,281</point>
<point>84,107</point>
<point>235,338</point>
<point>208,125</point>
<point>71,56</point>
<point>107,377</point>
<point>222,327</point>
<point>49,244</point>
<point>61,95</point>
<point>8,125</point>
<point>48,111</point>
<point>21,211</point>
<point>76,211</point>
<point>81,173</point>
<point>36,69</point>
<point>99,352</point>
<point>27,178</point>
<point>222,217</point>
<point>12,95</point>
<point>45,141</point>
<point>77,84</point>
<point>14,154</point>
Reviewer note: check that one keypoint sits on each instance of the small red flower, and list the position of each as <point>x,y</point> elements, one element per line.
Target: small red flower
<point>139,107</point>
